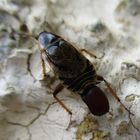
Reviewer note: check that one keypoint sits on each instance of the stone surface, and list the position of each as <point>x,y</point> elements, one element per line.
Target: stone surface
<point>109,29</point>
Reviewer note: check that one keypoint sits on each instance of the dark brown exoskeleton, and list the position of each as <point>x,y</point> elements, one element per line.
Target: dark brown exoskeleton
<point>76,72</point>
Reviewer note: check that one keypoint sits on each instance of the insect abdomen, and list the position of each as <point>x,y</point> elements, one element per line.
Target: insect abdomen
<point>78,83</point>
<point>96,100</point>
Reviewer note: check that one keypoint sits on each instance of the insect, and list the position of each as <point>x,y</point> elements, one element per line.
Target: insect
<point>76,72</point>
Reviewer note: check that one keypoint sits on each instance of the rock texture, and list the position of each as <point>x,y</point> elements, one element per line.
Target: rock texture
<point>108,28</point>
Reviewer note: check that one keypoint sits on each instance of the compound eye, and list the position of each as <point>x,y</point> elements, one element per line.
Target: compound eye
<point>54,39</point>
<point>45,39</point>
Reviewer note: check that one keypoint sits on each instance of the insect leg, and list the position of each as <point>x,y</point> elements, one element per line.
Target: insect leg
<point>29,67</point>
<point>100,78</point>
<point>56,91</point>
<point>89,53</point>
<point>44,74</point>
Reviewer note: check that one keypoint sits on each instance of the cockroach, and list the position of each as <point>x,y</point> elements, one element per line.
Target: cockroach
<point>76,72</point>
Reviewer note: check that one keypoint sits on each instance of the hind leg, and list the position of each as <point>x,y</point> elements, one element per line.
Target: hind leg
<point>100,78</point>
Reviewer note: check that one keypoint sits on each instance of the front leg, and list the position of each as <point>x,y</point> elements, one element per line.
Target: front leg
<point>43,67</point>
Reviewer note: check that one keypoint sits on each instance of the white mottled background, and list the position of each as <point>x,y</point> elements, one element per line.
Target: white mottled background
<point>108,28</point>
